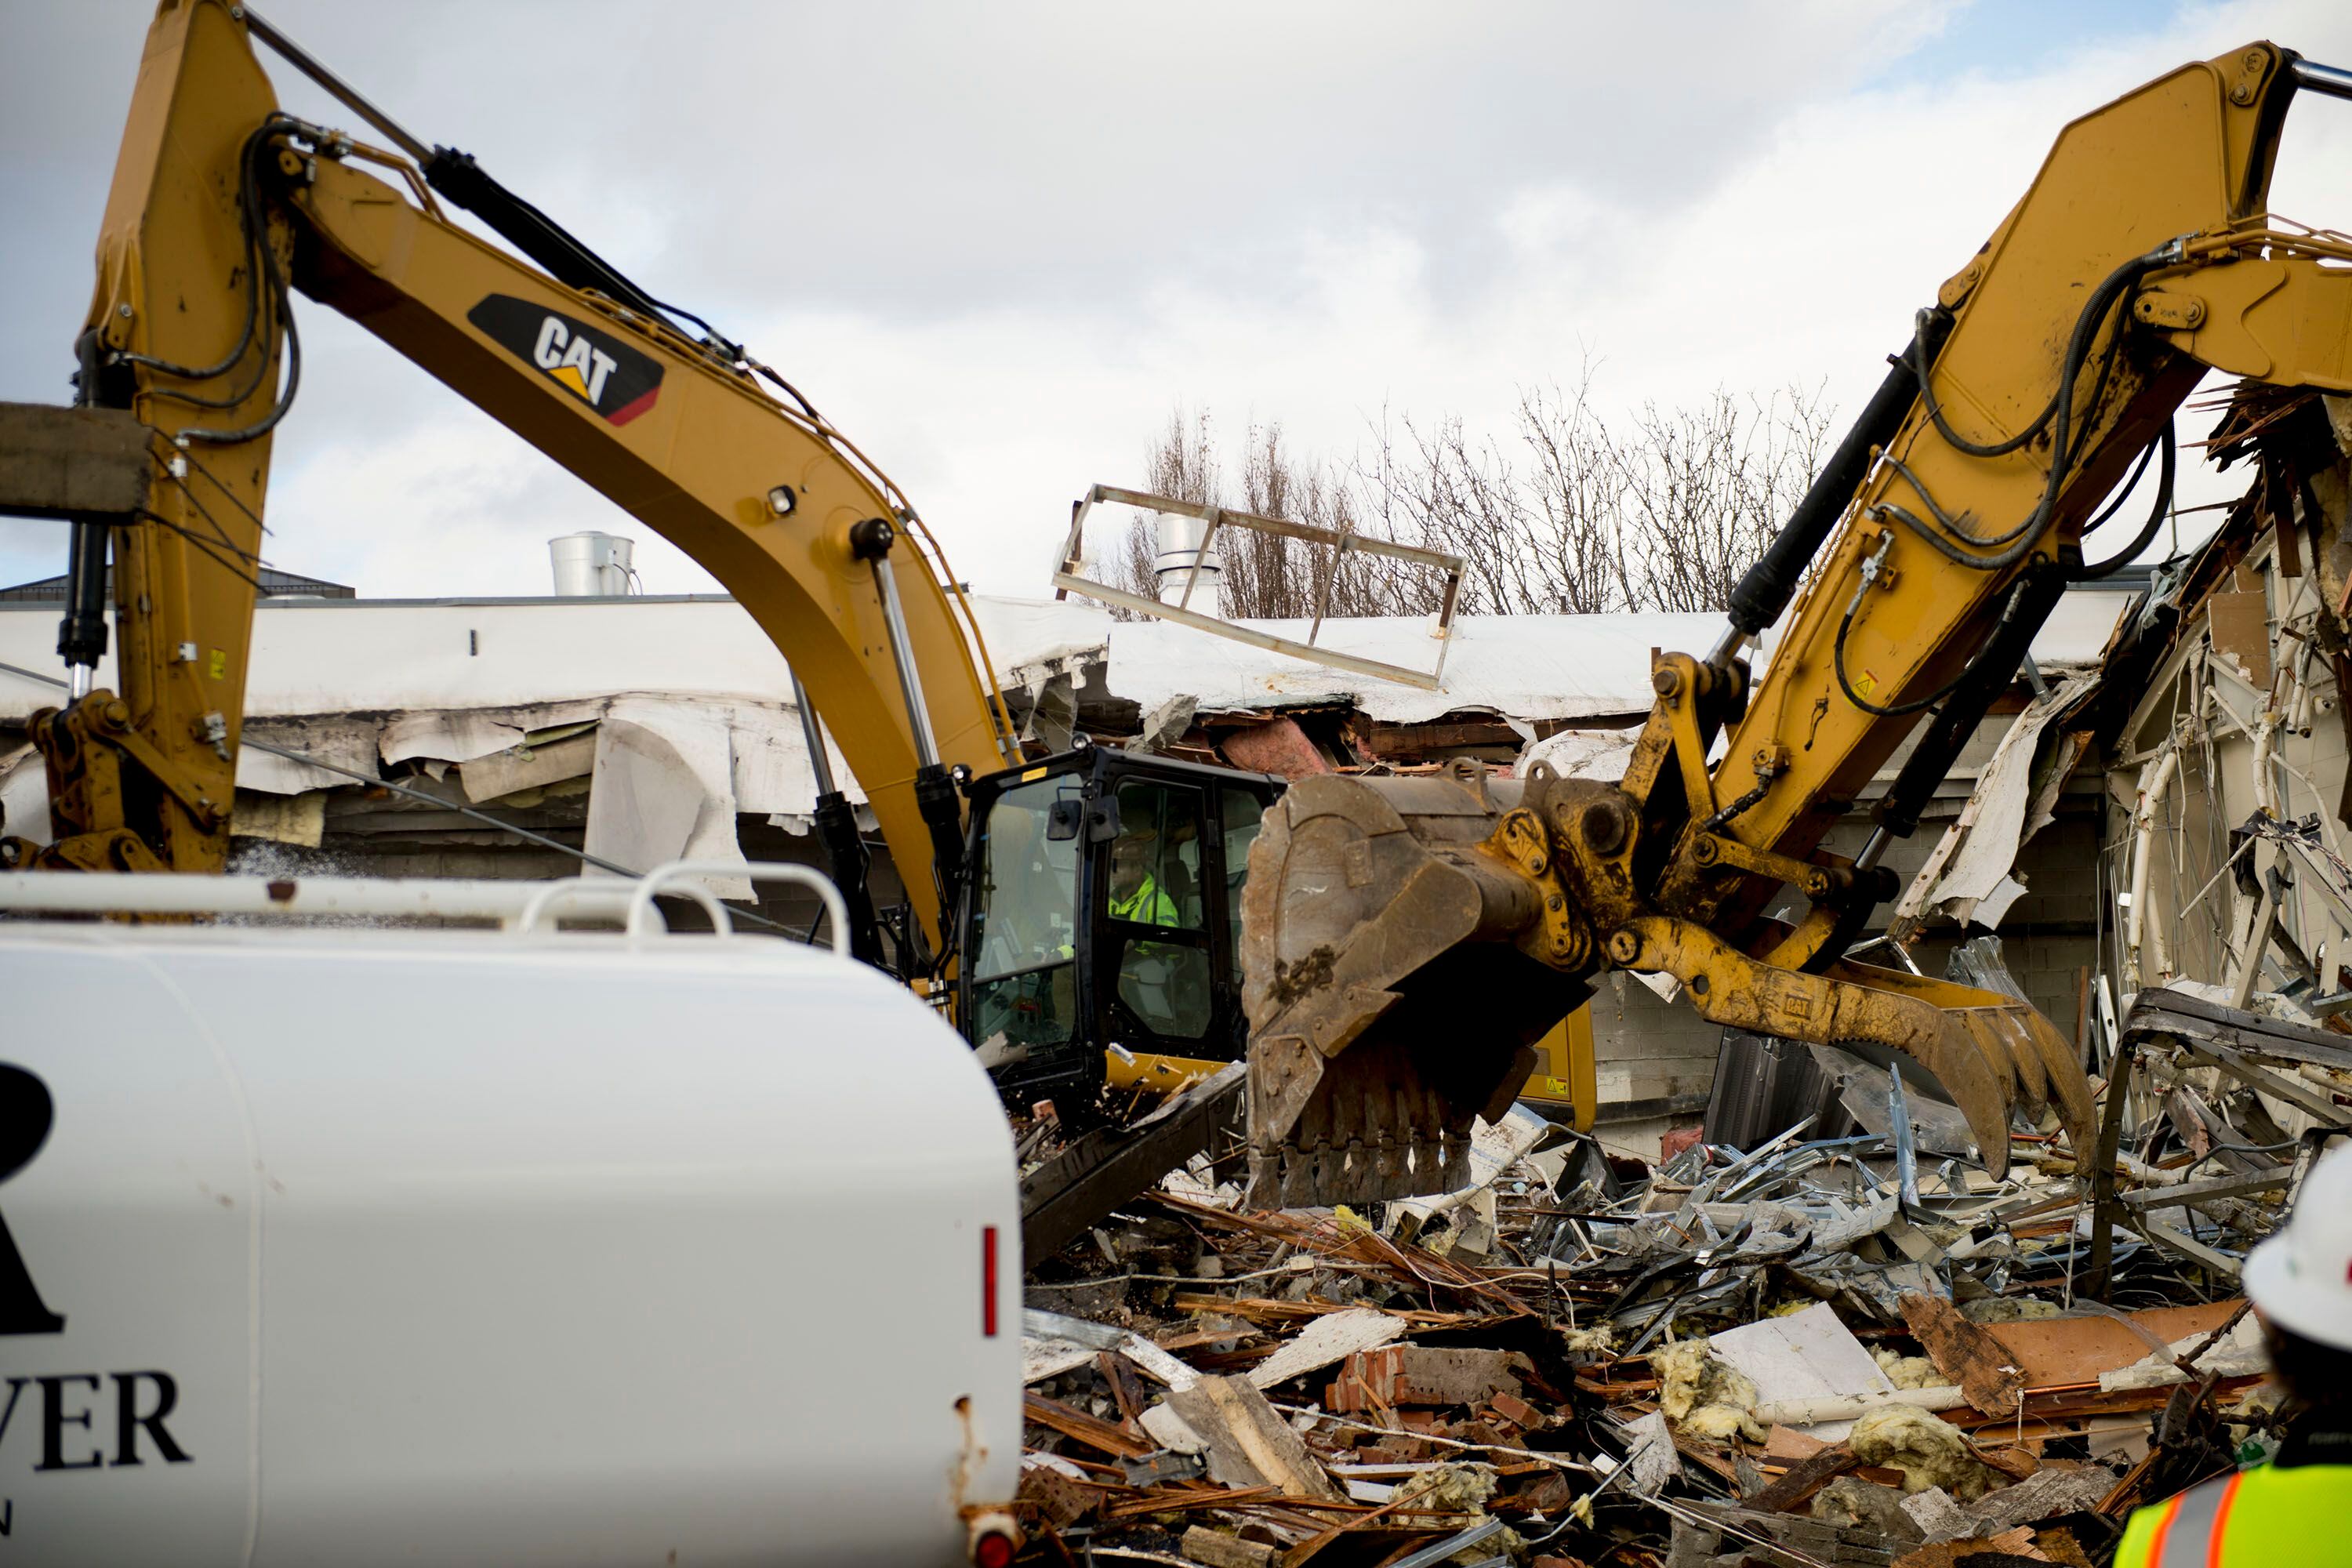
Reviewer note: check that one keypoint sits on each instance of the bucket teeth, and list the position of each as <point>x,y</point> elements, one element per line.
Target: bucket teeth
<point>1372,1128</point>
<point>1384,1017</point>
<point>1391,1001</point>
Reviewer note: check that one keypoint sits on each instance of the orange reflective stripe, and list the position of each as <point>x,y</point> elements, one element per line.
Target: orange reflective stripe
<point>2165,1516</point>
<point>2222,1519</point>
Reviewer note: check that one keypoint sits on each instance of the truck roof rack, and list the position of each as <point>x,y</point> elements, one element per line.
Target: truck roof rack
<point>519,907</point>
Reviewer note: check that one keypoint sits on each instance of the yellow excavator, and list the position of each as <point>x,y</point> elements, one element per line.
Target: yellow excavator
<point>1394,947</point>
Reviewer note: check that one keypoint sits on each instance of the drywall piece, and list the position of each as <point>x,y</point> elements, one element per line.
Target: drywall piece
<point>1650,1450</point>
<point>1158,1363</point>
<point>1582,754</point>
<point>1938,1517</point>
<point>2241,1352</point>
<point>1326,1341</point>
<point>1805,1355</point>
<point>1042,1359</point>
<point>1969,870</point>
<point>663,790</point>
<point>1494,1148</point>
<point>1170,1430</point>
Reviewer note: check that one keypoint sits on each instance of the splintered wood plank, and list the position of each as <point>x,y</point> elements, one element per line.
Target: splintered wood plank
<point>1966,1354</point>
<point>1248,1442</point>
<point>1805,1478</point>
<point>1056,1416</point>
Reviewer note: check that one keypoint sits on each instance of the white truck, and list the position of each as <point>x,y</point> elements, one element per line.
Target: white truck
<point>447,1246</point>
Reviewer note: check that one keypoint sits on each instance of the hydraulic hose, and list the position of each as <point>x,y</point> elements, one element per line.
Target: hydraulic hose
<point>2167,464</point>
<point>2065,443</point>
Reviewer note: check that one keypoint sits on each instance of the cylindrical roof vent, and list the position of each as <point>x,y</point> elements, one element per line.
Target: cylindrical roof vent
<point>591,566</point>
<point>1180,538</point>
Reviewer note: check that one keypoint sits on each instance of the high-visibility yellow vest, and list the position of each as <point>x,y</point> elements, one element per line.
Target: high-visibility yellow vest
<point>2252,1520</point>
<point>1146,905</point>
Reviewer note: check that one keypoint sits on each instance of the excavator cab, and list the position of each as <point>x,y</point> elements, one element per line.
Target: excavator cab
<point>1102,923</point>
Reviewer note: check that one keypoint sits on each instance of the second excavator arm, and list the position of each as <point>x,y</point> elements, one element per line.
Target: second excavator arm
<point>221,207</point>
<point>1936,540</point>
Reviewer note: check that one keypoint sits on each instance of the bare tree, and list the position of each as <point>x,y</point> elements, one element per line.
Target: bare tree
<point>1705,489</point>
<point>1561,515</point>
<point>1272,578</point>
<point>1539,535</point>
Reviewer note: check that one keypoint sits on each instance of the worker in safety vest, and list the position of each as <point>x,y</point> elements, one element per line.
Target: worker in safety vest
<point>1135,893</point>
<point>2297,1509</point>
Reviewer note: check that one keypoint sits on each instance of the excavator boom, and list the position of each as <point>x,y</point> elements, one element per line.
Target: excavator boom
<point>1408,940</point>
<point>222,207</point>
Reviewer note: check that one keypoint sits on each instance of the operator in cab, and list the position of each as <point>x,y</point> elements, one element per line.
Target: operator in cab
<point>1135,893</point>
<point>2292,1508</point>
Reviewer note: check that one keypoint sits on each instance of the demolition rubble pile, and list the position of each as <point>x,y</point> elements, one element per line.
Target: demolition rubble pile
<point>1845,1350</point>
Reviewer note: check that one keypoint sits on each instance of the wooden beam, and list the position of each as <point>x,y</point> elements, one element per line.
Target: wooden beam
<point>1802,1480</point>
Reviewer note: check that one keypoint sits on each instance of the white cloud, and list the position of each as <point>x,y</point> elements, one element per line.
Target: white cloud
<point>997,246</point>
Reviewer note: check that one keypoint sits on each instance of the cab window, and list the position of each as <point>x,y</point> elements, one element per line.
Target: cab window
<point>1024,923</point>
<point>1152,885</point>
<point>1155,861</point>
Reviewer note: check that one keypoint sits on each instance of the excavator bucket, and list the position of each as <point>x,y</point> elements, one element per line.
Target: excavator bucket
<point>1388,1007</point>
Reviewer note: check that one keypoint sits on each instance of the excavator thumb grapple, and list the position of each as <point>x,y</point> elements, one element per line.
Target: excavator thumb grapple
<point>1406,939</point>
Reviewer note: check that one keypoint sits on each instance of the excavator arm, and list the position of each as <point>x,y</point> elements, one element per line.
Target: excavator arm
<point>1933,546</point>
<point>221,207</point>
<point>1404,942</point>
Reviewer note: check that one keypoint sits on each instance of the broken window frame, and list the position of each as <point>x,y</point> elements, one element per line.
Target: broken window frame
<point>1067,581</point>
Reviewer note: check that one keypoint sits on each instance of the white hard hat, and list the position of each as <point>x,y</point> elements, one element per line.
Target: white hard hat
<point>2302,1277</point>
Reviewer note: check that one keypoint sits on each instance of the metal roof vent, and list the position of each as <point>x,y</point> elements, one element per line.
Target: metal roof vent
<point>593,565</point>
<point>1181,562</point>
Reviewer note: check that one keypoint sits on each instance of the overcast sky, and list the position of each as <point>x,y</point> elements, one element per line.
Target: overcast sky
<point>998,243</point>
